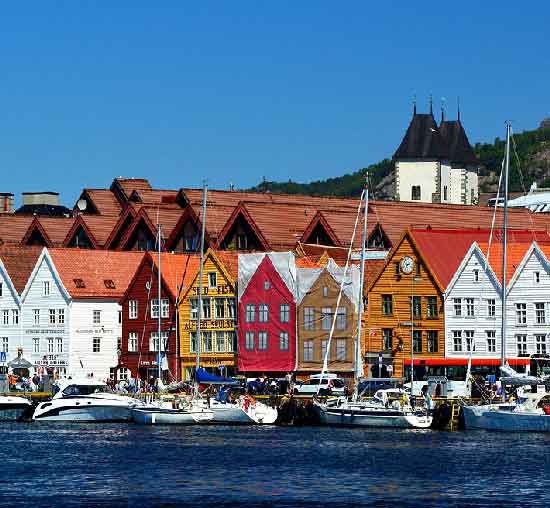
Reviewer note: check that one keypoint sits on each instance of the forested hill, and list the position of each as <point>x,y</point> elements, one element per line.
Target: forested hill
<point>533,151</point>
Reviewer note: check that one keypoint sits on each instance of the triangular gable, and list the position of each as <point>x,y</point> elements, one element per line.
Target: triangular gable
<point>91,207</point>
<point>121,227</point>
<point>240,212</point>
<point>36,235</point>
<point>177,233</point>
<point>45,257</point>
<point>78,225</point>
<point>474,250</point>
<point>142,218</point>
<point>377,238</point>
<point>534,250</point>
<point>319,228</point>
<point>210,254</point>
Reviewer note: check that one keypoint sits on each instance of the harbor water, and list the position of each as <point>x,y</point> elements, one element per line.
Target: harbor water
<point>128,465</point>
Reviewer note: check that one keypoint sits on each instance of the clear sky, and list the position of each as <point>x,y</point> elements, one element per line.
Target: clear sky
<point>234,91</point>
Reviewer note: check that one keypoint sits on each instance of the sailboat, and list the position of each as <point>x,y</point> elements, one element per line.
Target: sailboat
<point>245,410</point>
<point>354,412</point>
<point>531,410</point>
<point>181,411</point>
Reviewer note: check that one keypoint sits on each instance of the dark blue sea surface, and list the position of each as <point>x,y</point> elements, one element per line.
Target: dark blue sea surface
<point>47,464</point>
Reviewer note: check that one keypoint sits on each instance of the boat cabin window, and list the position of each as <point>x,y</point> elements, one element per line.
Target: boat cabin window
<point>83,389</point>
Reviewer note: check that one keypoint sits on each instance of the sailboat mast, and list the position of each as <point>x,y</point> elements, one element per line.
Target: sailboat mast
<point>201,271</point>
<point>358,358</point>
<point>158,302</point>
<point>505,247</point>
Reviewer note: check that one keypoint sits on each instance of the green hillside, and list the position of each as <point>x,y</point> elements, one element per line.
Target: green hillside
<point>533,153</point>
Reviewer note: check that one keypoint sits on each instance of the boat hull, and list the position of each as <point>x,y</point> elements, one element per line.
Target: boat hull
<point>13,408</point>
<point>235,414</point>
<point>160,416</point>
<point>75,410</point>
<point>497,419</point>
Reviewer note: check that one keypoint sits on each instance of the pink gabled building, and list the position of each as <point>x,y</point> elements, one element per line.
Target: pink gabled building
<point>267,314</point>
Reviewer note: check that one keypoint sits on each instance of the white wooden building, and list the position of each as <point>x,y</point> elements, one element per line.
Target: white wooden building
<point>10,316</point>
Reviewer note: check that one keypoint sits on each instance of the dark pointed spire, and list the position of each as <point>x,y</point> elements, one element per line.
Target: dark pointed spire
<point>414,104</point>
<point>431,105</point>
<point>458,108</point>
<point>442,109</point>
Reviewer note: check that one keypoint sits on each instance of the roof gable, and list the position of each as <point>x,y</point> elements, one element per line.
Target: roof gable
<point>73,236</point>
<point>319,229</point>
<point>36,235</point>
<point>457,142</point>
<point>46,259</point>
<point>240,217</point>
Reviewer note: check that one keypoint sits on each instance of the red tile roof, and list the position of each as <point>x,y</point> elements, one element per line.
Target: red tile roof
<point>177,270</point>
<point>128,185</point>
<point>100,226</point>
<point>56,228</point>
<point>230,261</point>
<point>103,200</point>
<point>514,256</point>
<point>95,268</point>
<point>19,262</point>
<point>14,227</point>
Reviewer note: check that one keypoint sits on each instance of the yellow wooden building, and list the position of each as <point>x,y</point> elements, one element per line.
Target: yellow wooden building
<point>218,317</point>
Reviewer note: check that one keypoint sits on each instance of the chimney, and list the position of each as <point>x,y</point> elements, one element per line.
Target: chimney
<point>41,198</point>
<point>6,202</point>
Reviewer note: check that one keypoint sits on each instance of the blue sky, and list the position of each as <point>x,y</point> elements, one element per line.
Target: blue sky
<point>234,91</point>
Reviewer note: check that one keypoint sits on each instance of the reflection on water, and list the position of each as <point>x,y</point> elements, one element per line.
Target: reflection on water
<point>111,465</point>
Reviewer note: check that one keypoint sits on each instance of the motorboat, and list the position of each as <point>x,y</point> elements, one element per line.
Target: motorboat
<point>14,408</point>
<point>171,411</point>
<point>245,410</point>
<point>85,400</point>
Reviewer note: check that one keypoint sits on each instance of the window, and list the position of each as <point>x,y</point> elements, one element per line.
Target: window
<point>262,341</point>
<point>283,341</point>
<point>132,342</point>
<point>249,341</point>
<point>250,313</point>
<point>491,307</point>
<point>231,342</point>
<point>193,308</point>
<point>540,341</point>
<point>491,341</point>
<point>431,307</point>
<point>119,343</point>
<point>397,265</point>
<point>470,343</point>
<point>415,193</point>
<point>387,335</point>
<point>536,277</point>
<point>540,314</point>
<point>267,285</point>
<point>325,291</point>
<point>206,344</point>
<point>46,288</point>
<point>418,269</point>
<point>231,308</point>
<point>433,344</point>
<point>326,321</point>
<point>59,345</point>
<point>416,307</point>
<point>96,345</point>
<point>324,345</point>
<point>285,313</point>
<point>457,302</point>
<point>445,193</point>
<point>154,341</point>
<point>206,310</point>
<point>154,308</point>
<point>308,351</point>
<point>387,305</point>
<point>52,316</point>
<point>219,308</point>
<point>457,340</point>
<point>164,307</point>
<point>123,373</point>
<point>36,316</point>
<point>212,279</point>
<point>309,318</point>
<point>521,313</point>
<point>521,341</point>
<point>97,317</point>
<point>193,342</point>
<point>476,275</point>
<point>132,309</point>
<point>49,342</point>
<point>242,242</point>
<point>119,317</point>
<point>341,319</point>
<point>263,313</point>
<point>417,341</point>
<point>5,344</point>
<point>36,345</point>
<point>6,317</point>
<point>220,342</point>
<point>341,350</point>
<point>1,288</point>
<point>470,312</point>
<point>15,317</point>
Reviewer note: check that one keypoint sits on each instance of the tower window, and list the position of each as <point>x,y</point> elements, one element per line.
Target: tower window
<point>415,193</point>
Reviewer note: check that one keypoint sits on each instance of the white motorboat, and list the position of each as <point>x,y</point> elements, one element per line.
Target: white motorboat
<point>85,400</point>
<point>13,408</point>
<point>244,411</point>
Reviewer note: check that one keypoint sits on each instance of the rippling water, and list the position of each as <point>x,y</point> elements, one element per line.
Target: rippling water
<point>116,465</point>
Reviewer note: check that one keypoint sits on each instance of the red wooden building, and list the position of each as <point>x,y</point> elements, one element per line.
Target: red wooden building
<point>267,314</point>
<point>140,339</point>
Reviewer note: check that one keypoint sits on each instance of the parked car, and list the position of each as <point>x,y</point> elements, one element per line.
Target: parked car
<point>331,385</point>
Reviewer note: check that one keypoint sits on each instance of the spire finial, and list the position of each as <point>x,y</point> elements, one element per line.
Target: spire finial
<point>458,107</point>
<point>442,109</point>
<point>431,105</point>
<point>414,104</point>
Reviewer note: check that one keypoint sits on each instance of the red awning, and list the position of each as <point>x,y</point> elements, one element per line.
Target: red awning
<point>457,362</point>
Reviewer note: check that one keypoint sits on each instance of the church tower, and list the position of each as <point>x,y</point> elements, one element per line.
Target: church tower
<point>436,164</point>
